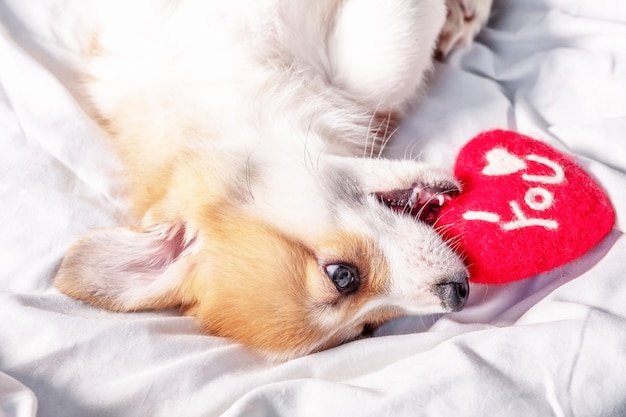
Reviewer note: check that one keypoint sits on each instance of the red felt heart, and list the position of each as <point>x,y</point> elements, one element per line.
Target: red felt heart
<point>525,208</point>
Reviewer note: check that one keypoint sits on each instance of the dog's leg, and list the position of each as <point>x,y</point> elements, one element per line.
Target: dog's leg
<point>464,19</point>
<point>380,50</point>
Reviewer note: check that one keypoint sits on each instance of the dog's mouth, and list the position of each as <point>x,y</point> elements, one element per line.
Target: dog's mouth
<point>421,202</point>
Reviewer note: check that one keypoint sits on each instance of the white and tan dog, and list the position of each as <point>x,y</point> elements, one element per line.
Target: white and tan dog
<point>250,132</point>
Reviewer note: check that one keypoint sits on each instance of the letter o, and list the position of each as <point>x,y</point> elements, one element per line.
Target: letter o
<point>539,198</point>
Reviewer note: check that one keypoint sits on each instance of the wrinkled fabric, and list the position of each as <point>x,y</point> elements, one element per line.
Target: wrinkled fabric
<point>551,345</point>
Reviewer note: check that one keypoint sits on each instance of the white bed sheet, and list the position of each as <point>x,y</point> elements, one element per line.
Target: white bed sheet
<point>552,345</point>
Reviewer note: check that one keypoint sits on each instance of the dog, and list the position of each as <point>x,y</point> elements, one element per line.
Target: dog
<point>251,134</point>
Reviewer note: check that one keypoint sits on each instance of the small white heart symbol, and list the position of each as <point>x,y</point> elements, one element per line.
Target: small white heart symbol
<point>502,162</point>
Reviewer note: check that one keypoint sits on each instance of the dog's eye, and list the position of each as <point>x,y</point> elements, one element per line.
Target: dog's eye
<point>345,277</point>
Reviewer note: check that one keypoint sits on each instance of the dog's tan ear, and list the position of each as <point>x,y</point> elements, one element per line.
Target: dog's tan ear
<point>126,269</point>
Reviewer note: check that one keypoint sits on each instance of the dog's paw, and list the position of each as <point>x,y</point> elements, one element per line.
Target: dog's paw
<point>464,20</point>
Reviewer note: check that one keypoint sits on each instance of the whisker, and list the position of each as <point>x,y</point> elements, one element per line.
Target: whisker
<point>375,137</point>
<point>386,121</point>
<point>369,132</point>
<point>249,173</point>
<point>386,141</point>
<point>414,144</point>
<point>455,242</point>
<point>307,153</point>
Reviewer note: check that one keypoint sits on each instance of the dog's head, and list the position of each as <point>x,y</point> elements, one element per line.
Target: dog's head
<point>288,261</point>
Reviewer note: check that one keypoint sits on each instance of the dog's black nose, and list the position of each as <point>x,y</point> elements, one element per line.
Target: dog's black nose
<point>453,292</point>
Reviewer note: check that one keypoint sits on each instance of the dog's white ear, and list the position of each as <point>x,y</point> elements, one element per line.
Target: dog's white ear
<point>125,269</point>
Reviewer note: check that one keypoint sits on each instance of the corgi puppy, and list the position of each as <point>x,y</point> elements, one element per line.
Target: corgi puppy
<point>251,132</point>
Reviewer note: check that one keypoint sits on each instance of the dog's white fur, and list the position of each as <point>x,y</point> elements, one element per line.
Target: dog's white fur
<point>243,127</point>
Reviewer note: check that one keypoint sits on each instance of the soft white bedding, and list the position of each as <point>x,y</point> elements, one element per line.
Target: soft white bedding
<point>552,345</point>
